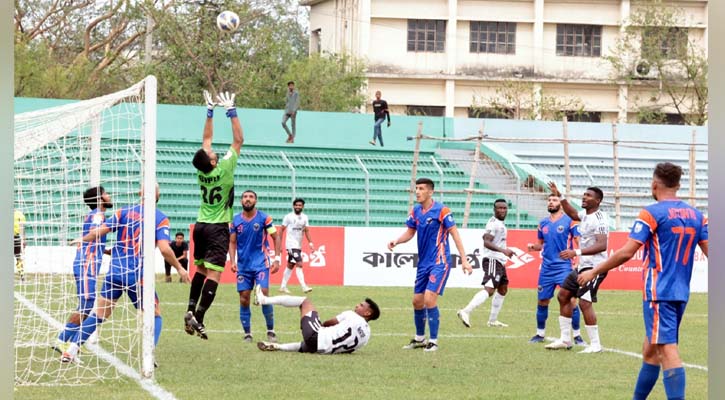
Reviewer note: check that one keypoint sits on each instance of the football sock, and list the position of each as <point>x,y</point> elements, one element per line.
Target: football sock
<point>245,316</point>
<point>419,319</point>
<point>674,379</point>
<point>88,326</point>
<point>196,284</point>
<point>478,299</point>
<point>433,322</point>
<point>542,313</point>
<point>575,319</point>
<point>208,293</point>
<point>646,380</point>
<point>268,312</point>
<point>285,301</point>
<point>290,346</point>
<point>593,332</point>
<point>69,331</point>
<point>285,278</point>
<point>496,304</point>
<point>300,277</point>
<point>158,323</point>
<point>565,326</point>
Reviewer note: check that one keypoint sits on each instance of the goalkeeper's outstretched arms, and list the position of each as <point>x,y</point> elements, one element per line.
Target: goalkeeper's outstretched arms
<point>226,100</point>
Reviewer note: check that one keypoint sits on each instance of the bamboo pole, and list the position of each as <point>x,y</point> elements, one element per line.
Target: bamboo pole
<point>414,171</point>
<point>567,171</point>
<point>615,161</point>
<point>693,169</point>
<point>472,178</point>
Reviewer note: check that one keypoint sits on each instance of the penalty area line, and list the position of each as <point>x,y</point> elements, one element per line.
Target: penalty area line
<point>147,384</point>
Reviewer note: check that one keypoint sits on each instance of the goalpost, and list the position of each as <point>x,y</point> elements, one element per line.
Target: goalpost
<point>59,153</point>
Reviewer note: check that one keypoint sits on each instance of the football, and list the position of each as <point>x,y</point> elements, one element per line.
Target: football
<point>227,21</point>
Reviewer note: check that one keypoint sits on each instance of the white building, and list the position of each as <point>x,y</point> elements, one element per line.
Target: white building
<point>443,56</point>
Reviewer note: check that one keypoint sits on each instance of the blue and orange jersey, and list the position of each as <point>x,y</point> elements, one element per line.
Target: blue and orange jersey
<point>128,223</point>
<point>558,236</point>
<point>669,231</point>
<point>432,227</point>
<point>90,254</point>
<point>252,236</point>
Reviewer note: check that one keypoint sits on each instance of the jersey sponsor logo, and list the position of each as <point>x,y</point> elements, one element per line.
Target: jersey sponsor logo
<point>545,230</point>
<point>165,231</point>
<point>638,227</point>
<point>228,155</point>
<point>560,228</point>
<point>97,219</point>
<point>432,278</point>
<point>209,179</point>
<point>240,278</point>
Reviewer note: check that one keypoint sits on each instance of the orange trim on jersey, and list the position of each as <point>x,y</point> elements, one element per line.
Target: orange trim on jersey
<point>704,220</point>
<point>655,324</point>
<point>656,250</point>
<point>445,211</point>
<point>443,279</point>
<point>653,284</point>
<point>648,219</point>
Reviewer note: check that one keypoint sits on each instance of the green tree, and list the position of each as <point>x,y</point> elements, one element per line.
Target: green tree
<point>328,82</point>
<point>658,54</point>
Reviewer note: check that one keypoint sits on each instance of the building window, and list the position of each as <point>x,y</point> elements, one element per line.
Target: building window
<point>583,116</point>
<point>430,111</point>
<point>664,42</point>
<point>490,113</point>
<point>493,37</point>
<point>427,35</point>
<point>578,40</point>
<point>316,41</point>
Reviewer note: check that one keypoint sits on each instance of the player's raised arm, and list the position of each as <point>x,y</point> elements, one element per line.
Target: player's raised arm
<point>93,235</point>
<point>459,245</point>
<point>226,100</point>
<point>209,124</point>
<point>568,208</point>
<point>170,258</point>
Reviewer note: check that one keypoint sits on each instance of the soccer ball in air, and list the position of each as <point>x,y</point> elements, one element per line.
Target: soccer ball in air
<point>227,21</point>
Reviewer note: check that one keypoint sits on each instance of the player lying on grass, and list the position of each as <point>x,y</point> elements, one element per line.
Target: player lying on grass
<point>347,332</point>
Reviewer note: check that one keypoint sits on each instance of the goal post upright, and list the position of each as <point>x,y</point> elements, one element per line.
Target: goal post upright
<point>149,226</point>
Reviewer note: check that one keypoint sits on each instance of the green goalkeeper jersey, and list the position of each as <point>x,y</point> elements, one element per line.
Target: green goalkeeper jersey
<point>217,190</point>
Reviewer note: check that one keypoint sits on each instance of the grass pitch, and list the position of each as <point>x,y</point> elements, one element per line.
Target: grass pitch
<point>472,363</point>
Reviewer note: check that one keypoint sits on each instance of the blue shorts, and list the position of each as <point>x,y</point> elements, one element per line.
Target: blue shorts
<point>115,284</point>
<point>247,279</point>
<point>549,281</point>
<point>662,320</point>
<point>433,278</point>
<point>85,289</point>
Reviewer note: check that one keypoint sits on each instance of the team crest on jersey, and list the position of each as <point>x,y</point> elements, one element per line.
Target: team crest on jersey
<point>256,227</point>
<point>637,227</point>
<point>560,228</point>
<point>428,220</point>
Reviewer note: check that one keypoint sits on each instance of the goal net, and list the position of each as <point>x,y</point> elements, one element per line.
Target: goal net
<point>59,153</point>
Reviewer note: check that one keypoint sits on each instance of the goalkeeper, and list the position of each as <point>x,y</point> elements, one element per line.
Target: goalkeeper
<point>211,231</point>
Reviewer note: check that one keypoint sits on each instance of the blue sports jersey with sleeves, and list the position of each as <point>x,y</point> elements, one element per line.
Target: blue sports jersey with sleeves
<point>557,236</point>
<point>432,227</point>
<point>252,241</point>
<point>127,222</point>
<point>669,231</point>
<point>89,255</point>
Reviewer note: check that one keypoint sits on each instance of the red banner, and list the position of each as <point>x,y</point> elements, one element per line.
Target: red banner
<point>322,267</point>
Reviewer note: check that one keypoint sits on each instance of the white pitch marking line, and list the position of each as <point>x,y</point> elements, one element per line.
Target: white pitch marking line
<point>637,355</point>
<point>147,384</point>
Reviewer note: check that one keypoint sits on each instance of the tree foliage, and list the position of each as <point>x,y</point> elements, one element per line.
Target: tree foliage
<point>87,48</point>
<point>659,54</point>
<point>515,99</point>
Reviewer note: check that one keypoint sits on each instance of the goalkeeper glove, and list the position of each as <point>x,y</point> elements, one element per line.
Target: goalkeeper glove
<point>209,104</point>
<point>226,100</point>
